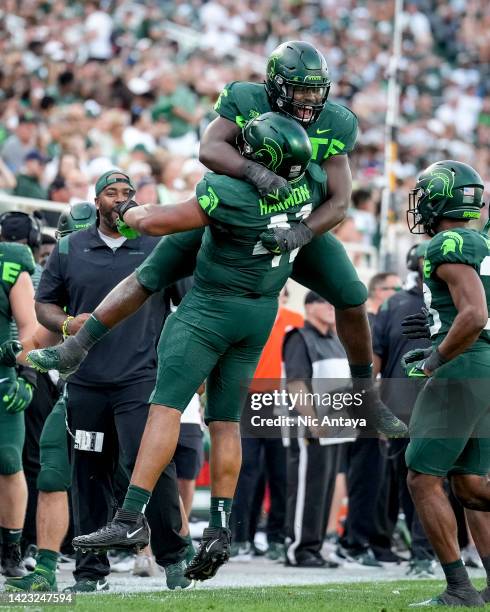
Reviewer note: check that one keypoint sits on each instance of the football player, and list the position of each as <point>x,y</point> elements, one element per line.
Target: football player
<point>220,328</point>
<point>297,85</point>
<point>450,425</point>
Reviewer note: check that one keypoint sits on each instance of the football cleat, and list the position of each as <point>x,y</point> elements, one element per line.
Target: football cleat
<point>213,552</point>
<point>127,530</point>
<point>12,562</point>
<point>468,598</point>
<point>66,357</point>
<point>38,580</point>
<point>377,414</point>
<point>86,585</point>
<point>176,578</point>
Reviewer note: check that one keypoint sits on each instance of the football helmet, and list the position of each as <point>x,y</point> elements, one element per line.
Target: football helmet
<point>297,81</point>
<point>447,189</point>
<point>80,216</point>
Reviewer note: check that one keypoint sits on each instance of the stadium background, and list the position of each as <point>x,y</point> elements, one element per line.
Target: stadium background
<point>133,85</point>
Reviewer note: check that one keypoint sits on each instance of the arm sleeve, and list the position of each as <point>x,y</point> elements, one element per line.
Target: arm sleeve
<point>51,288</point>
<point>297,362</point>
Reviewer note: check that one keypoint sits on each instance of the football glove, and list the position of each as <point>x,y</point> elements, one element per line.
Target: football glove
<point>125,230</point>
<point>416,326</point>
<point>123,208</point>
<point>415,362</point>
<point>8,351</point>
<point>266,181</point>
<point>278,240</point>
<point>17,396</point>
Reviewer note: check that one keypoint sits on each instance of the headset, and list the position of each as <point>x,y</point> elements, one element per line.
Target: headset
<point>35,231</point>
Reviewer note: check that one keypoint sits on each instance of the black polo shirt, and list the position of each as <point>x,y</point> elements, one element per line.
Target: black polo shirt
<point>78,275</point>
<point>390,345</point>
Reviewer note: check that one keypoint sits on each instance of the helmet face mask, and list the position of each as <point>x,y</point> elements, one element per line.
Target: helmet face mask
<point>297,81</point>
<point>445,190</point>
<point>278,143</point>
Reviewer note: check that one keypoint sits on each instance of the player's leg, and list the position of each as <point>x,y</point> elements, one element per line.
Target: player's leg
<point>479,524</point>
<point>52,517</point>
<point>324,267</point>
<point>429,460</point>
<point>182,346</point>
<point>226,390</point>
<point>13,490</point>
<point>172,259</point>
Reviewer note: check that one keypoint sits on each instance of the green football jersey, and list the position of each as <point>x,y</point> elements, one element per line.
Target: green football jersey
<point>14,259</point>
<point>461,246</point>
<point>333,133</point>
<point>232,259</point>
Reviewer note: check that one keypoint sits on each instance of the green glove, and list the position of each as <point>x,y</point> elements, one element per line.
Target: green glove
<point>413,362</point>
<point>126,231</point>
<point>278,240</point>
<point>8,352</point>
<point>17,396</point>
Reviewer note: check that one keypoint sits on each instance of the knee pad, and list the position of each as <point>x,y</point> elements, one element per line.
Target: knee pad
<point>351,295</point>
<point>51,480</point>
<point>10,460</point>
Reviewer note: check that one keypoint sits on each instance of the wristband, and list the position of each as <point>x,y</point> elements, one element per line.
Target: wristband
<point>64,326</point>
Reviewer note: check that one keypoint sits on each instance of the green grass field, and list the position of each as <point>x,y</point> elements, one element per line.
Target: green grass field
<point>348,597</point>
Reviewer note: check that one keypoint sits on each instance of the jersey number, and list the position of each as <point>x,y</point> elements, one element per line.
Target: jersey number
<point>282,221</point>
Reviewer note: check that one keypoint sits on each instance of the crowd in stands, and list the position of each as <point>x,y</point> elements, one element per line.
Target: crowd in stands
<point>88,85</point>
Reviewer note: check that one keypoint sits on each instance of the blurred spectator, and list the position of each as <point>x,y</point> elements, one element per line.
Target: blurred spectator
<point>44,251</point>
<point>380,288</point>
<point>20,142</point>
<point>7,178</point>
<point>98,30</point>
<point>147,191</point>
<point>29,180</point>
<point>78,186</point>
<point>363,212</point>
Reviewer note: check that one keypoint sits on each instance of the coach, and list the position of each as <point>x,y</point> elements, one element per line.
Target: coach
<point>108,395</point>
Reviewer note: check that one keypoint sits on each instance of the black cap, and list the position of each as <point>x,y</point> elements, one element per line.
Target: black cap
<point>311,297</point>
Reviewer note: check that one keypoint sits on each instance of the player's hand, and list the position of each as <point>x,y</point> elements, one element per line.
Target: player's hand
<point>416,326</point>
<point>279,240</point>
<point>266,181</point>
<point>125,230</point>
<point>17,396</point>
<point>414,363</point>
<point>8,352</point>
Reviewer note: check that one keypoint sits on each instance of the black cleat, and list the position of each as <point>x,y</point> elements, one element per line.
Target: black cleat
<point>12,563</point>
<point>127,530</point>
<point>377,414</point>
<point>213,552</point>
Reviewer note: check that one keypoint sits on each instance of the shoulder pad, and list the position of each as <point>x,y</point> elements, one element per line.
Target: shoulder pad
<point>19,254</point>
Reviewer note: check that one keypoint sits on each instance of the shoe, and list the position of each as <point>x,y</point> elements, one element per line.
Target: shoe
<point>421,568</point>
<point>470,557</point>
<point>12,562</point>
<point>176,578</point>
<point>124,562</point>
<point>241,551</point>
<point>30,557</point>
<point>364,557</point>
<point>38,580</point>
<point>65,362</point>
<point>468,599</point>
<point>276,552</point>
<point>86,585</point>
<point>145,566</point>
<point>127,530</point>
<point>385,555</point>
<point>310,559</point>
<point>213,552</point>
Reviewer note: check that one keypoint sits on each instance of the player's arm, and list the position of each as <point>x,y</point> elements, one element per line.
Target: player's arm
<point>218,153</point>
<point>334,209</point>
<point>155,220</point>
<point>21,299</point>
<point>470,301</point>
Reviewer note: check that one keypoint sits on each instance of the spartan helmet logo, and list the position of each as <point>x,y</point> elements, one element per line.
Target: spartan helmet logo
<point>272,151</point>
<point>441,184</point>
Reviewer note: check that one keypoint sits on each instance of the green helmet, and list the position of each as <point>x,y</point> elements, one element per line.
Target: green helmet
<point>445,190</point>
<point>297,81</point>
<point>278,143</point>
<point>80,216</point>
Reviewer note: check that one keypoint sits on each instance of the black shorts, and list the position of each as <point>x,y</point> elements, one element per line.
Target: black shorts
<point>189,453</point>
